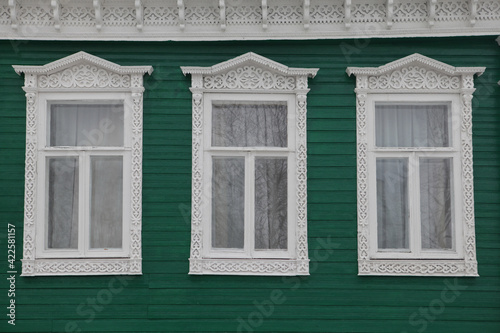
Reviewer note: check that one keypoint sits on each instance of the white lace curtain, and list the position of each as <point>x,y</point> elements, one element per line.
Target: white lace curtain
<point>413,126</point>
<point>249,125</point>
<point>85,125</point>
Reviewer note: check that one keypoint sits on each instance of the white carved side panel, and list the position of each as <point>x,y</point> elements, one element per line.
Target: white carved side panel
<point>362,163</point>
<point>301,179</point>
<point>30,82</point>
<point>136,181</point>
<point>197,182</point>
<point>467,174</point>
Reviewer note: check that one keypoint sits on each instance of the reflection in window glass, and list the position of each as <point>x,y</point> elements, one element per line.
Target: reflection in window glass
<point>249,125</point>
<point>62,200</point>
<point>271,203</point>
<point>392,203</point>
<point>228,202</point>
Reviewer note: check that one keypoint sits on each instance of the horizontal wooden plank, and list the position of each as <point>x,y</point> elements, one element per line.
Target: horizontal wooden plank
<point>333,298</point>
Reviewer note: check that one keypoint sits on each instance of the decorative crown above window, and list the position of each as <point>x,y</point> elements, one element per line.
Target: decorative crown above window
<point>249,19</point>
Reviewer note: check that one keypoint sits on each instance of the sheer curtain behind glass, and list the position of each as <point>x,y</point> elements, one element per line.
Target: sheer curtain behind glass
<point>63,197</point>
<point>228,202</point>
<point>106,205</point>
<point>270,203</point>
<point>393,212</point>
<point>413,126</point>
<point>249,125</point>
<point>95,125</point>
<point>436,203</point>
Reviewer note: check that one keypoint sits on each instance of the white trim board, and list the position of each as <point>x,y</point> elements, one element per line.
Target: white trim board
<point>161,20</point>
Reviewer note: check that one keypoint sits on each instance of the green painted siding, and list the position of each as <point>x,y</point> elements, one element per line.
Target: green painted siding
<point>333,298</point>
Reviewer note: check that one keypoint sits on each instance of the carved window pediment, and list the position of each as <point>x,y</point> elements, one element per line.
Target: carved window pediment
<point>250,71</point>
<point>82,70</point>
<point>414,72</point>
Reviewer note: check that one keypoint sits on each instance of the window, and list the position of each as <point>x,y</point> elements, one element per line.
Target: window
<point>83,167</point>
<point>83,183</point>
<point>248,156</point>
<point>249,168</point>
<point>415,181</point>
<point>415,156</point>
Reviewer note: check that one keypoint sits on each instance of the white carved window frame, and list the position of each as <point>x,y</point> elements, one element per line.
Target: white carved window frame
<point>249,77</point>
<point>418,79</point>
<point>82,77</point>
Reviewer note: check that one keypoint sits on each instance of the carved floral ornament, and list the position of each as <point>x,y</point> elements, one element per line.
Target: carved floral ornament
<point>416,74</point>
<point>80,73</point>
<point>249,74</point>
<point>249,19</point>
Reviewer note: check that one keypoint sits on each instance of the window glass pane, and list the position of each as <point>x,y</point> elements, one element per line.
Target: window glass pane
<point>392,203</point>
<point>228,202</point>
<point>435,203</point>
<point>249,125</point>
<point>62,226</point>
<point>271,203</point>
<point>86,125</point>
<point>106,202</point>
<point>412,125</point>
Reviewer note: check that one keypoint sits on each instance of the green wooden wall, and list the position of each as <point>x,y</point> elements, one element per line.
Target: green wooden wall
<point>333,298</point>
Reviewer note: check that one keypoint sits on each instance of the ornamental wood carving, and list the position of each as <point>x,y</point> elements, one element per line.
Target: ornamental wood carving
<point>249,73</point>
<point>79,73</point>
<point>249,19</point>
<point>416,74</point>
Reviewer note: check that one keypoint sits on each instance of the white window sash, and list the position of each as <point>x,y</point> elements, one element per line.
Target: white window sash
<point>84,154</point>
<point>413,154</point>
<point>249,153</point>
